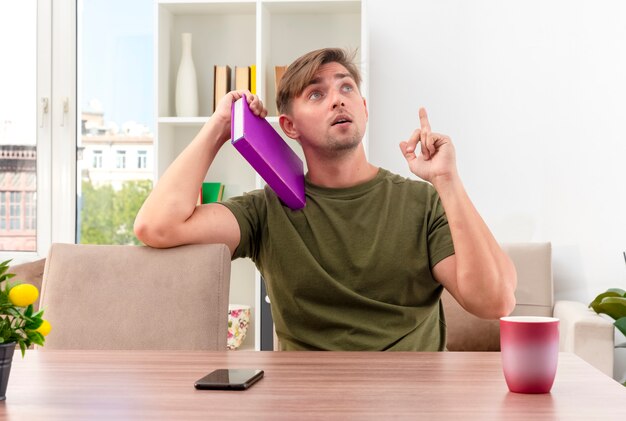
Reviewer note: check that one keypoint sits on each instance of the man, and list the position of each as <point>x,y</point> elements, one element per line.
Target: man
<point>363,264</point>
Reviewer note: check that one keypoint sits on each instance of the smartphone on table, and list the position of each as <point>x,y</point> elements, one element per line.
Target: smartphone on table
<point>229,379</point>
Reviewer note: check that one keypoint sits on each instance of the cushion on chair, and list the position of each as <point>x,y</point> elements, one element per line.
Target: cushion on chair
<point>131,297</point>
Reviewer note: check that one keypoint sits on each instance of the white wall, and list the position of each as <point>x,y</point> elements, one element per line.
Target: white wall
<point>533,94</point>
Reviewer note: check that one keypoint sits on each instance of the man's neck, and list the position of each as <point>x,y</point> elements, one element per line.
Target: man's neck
<point>342,171</point>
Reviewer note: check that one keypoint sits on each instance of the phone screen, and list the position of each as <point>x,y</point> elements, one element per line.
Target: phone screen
<point>229,379</point>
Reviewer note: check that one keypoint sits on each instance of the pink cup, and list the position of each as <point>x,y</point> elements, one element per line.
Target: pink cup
<point>530,351</point>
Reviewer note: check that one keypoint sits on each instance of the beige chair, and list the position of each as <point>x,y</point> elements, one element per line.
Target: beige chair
<point>130,297</point>
<point>582,331</point>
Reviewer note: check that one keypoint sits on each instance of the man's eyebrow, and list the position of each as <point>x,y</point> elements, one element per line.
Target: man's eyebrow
<point>336,76</point>
<point>342,75</point>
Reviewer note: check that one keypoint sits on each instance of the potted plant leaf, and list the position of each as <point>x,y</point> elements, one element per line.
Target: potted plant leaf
<point>19,325</point>
<point>613,304</point>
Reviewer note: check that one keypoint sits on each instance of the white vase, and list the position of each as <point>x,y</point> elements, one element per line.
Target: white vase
<point>186,83</point>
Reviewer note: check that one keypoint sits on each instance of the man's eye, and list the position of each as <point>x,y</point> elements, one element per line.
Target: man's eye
<point>348,88</point>
<point>315,95</point>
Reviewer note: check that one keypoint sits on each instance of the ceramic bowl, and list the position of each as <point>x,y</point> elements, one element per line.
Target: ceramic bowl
<point>238,321</point>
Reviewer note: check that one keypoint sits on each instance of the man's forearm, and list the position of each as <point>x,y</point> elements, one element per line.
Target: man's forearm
<point>485,274</point>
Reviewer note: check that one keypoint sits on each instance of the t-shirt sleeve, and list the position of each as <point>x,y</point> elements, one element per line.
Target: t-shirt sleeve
<point>440,243</point>
<point>249,210</point>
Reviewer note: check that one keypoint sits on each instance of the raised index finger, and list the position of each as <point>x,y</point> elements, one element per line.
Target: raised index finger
<point>424,120</point>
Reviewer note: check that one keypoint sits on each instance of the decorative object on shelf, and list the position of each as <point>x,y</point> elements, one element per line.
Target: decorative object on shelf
<point>186,82</point>
<point>18,324</point>
<point>238,321</point>
<point>211,192</point>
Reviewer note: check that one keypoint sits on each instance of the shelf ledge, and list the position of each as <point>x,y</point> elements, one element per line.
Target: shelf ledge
<point>183,121</point>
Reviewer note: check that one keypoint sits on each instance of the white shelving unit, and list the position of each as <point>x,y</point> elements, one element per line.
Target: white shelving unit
<point>266,33</point>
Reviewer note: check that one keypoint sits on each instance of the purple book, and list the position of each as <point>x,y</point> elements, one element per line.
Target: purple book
<point>268,154</point>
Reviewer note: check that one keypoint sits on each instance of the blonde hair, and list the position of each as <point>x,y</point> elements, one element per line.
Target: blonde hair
<point>299,73</point>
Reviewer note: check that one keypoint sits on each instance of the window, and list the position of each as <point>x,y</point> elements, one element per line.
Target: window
<point>15,206</point>
<point>16,178</point>
<point>116,109</point>
<point>19,130</point>
<point>120,159</point>
<point>102,52</point>
<point>3,210</point>
<point>97,159</point>
<point>30,211</point>
<point>34,121</point>
<point>30,179</point>
<point>142,159</point>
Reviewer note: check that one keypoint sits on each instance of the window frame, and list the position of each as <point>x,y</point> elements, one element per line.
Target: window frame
<point>142,159</point>
<point>120,159</point>
<point>96,155</point>
<point>56,128</point>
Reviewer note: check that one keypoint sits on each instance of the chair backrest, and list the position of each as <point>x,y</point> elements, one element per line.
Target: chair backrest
<point>534,296</point>
<point>135,297</point>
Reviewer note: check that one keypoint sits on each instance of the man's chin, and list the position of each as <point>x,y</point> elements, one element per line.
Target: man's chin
<point>345,143</point>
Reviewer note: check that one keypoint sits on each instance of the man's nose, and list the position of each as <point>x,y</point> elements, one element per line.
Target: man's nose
<point>337,101</point>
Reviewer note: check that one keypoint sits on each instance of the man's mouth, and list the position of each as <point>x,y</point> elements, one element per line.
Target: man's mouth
<point>341,119</point>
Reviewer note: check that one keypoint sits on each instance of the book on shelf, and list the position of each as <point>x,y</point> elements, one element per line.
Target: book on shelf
<point>211,192</point>
<point>279,71</point>
<point>253,79</point>
<point>242,78</point>
<point>221,83</point>
<point>269,155</point>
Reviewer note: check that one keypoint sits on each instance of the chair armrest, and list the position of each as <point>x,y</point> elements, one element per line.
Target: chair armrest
<point>586,334</point>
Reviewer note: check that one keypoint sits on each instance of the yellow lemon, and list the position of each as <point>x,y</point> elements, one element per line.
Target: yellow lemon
<point>45,328</point>
<point>23,295</point>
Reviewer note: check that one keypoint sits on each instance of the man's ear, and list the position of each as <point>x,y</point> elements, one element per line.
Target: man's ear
<point>286,123</point>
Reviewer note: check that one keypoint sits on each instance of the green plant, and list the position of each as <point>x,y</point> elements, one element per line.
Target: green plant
<point>17,322</point>
<point>613,304</point>
<point>107,215</point>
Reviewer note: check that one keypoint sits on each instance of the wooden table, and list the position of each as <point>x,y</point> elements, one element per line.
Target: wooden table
<point>125,385</point>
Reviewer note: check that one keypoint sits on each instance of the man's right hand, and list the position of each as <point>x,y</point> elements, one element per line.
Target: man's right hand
<point>221,117</point>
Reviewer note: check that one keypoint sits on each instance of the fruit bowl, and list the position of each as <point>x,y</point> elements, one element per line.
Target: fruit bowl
<point>238,321</point>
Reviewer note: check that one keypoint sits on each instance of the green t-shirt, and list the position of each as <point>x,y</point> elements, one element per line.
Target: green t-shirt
<point>352,269</point>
